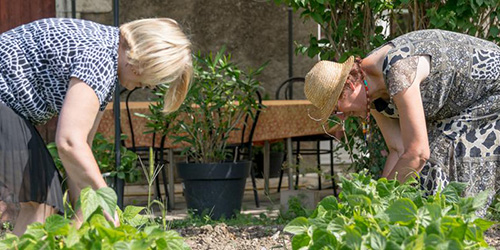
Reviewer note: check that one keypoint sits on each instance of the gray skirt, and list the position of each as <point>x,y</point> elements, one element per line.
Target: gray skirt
<point>27,170</point>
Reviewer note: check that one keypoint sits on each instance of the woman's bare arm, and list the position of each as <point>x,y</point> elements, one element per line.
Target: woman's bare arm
<point>412,126</point>
<point>76,120</point>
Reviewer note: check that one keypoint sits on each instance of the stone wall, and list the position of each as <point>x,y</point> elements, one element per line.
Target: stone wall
<point>253,31</point>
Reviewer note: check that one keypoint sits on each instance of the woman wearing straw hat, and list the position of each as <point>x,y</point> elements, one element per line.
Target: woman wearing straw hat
<point>435,96</point>
<point>70,67</point>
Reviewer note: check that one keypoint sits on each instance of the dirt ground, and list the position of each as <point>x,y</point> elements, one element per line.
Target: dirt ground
<point>223,237</point>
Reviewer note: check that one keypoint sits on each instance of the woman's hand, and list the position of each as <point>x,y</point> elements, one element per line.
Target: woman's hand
<point>114,219</point>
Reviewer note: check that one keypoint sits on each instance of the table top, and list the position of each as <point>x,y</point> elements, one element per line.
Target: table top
<point>279,119</point>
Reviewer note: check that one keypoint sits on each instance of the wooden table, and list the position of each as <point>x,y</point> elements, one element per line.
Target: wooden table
<point>281,119</point>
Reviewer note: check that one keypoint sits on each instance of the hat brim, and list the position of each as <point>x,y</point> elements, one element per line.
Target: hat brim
<point>321,114</point>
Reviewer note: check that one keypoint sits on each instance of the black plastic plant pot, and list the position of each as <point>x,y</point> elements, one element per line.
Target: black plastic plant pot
<point>214,189</point>
<point>276,162</point>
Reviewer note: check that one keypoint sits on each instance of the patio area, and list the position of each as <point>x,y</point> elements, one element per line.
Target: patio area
<point>269,204</point>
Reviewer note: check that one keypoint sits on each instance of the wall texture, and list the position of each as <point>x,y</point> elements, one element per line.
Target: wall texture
<point>253,31</point>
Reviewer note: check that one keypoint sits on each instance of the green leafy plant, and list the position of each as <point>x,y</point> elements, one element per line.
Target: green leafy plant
<point>384,214</point>
<point>96,232</point>
<point>104,154</point>
<point>218,100</point>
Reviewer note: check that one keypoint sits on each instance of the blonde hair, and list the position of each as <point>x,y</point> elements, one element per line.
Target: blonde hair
<point>161,53</point>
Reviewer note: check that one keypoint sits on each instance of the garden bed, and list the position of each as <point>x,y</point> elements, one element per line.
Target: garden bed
<point>222,236</point>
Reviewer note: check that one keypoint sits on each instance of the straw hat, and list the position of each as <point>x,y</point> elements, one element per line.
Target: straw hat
<point>323,85</point>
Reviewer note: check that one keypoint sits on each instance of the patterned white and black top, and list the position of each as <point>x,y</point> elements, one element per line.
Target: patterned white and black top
<point>38,59</point>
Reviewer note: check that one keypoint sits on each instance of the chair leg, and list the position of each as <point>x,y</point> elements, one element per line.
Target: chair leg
<point>297,160</point>
<point>281,178</point>
<point>165,185</point>
<point>254,184</point>
<point>157,181</point>
<point>332,172</point>
<point>318,160</point>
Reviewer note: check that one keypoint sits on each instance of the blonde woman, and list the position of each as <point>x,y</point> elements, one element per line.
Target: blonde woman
<point>435,96</point>
<point>70,68</point>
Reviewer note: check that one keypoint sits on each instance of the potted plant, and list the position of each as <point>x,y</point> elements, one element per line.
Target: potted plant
<point>220,97</point>
<point>277,156</point>
<point>103,151</point>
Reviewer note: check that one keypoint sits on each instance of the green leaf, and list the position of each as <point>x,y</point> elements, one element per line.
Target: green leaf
<point>300,240</point>
<point>494,31</point>
<point>329,203</point>
<point>402,211</point>
<point>322,239</point>
<point>453,191</point>
<point>434,211</point>
<point>8,241</point>
<point>131,211</point>
<point>377,241</point>
<point>417,243</point>
<point>434,228</point>
<point>483,224</point>
<point>299,225</point>
<point>109,234</point>
<point>352,238</point>
<point>358,201</point>
<point>36,230</point>
<point>455,227</point>
<point>107,199</point>
<point>398,233</point>
<point>450,244</point>
<point>89,202</point>
<point>481,199</point>
<point>55,222</point>
<point>173,240</point>
<point>433,240</point>
<point>73,237</point>
<point>391,245</point>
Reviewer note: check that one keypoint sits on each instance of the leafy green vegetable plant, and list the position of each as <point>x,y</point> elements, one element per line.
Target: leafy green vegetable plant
<point>384,214</point>
<point>103,151</point>
<point>96,232</point>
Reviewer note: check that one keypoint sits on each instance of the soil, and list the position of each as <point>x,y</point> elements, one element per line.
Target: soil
<point>223,237</point>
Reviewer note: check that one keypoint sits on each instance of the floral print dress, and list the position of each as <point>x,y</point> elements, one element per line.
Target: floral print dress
<point>461,101</point>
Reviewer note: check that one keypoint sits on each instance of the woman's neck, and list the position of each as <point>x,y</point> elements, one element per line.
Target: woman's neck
<point>372,69</point>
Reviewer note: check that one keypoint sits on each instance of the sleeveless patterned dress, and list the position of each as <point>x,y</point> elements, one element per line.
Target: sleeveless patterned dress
<point>461,101</point>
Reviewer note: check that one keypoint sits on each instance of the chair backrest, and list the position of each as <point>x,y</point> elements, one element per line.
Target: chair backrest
<point>289,87</point>
<point>134,147</point>
<point>129,117</point>
<point>246,143</point>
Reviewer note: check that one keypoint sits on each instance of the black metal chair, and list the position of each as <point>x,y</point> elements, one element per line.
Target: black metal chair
<point>159,152</point>
<point>243,150</point>
<point>285,91</point>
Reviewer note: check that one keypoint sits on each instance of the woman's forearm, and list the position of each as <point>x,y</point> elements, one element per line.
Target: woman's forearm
<point>390,162</point>
<point>407,165</point>
<point>80,165</point>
